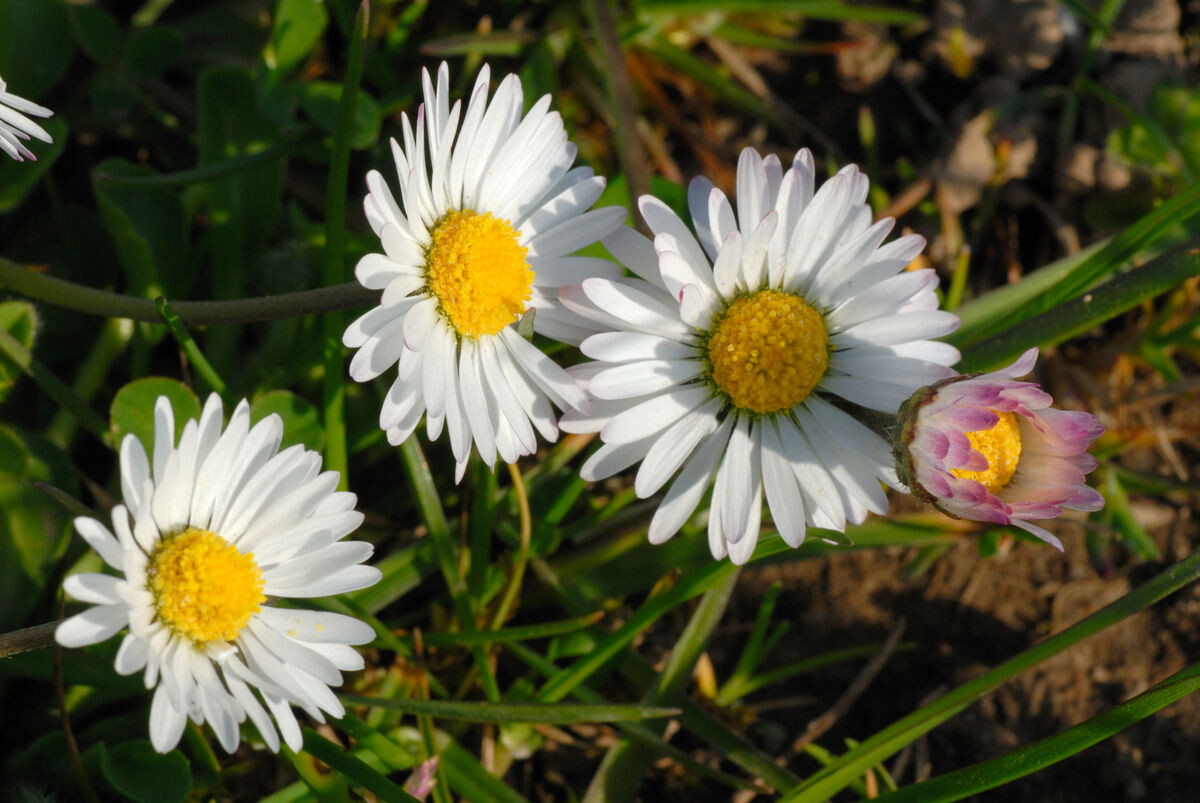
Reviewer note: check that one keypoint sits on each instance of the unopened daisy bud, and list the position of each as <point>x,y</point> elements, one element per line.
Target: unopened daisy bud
<point>15,125</point>
<point>989,448</point>
<point>213,528</point>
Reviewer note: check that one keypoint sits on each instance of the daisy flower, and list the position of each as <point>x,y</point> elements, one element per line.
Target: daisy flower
<point>490,211</point>
<point>16,126</point>
<point>734,356</point>
<point>209,532</point>
<point>990,448</point>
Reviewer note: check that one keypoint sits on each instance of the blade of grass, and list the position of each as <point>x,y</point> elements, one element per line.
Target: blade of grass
<point>1083,275</point>
<point>508,634</point>
<point>832,10</point>
<point>215,170</point>
<point>184,339</point>
<point>53,387</point>
<point>439,532</point>
<point>472,782</point>
<point>1081,314</point>
<point>633,730</point>
<point>1041,754</point>
<point>333,269</point>
<point>557,714</point>
<point>620,772</point>
<point>731,691</point>
<point>830,780</point>
<point>353,769</point>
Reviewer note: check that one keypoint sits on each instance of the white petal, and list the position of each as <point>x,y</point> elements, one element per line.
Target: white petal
<point>94,625</point>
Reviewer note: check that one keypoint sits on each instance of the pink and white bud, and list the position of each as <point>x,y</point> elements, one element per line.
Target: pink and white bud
<point>989,448</point>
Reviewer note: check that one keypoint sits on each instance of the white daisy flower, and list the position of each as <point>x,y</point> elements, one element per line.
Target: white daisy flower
<point>209,533</point>
<point>490,213</point>
<point>733,356</point>
<point>16,126</point>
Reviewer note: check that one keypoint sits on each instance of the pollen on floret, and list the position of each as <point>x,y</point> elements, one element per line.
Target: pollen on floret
<point>477,269</point>
<point>204,588</point>
<point>768,351</point>
<point>1001,447</point>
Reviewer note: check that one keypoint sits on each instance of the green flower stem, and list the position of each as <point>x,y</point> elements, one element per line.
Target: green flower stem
<point>827,782</point>
<point>88,300</point>
<point>38,637</point>
<point>522,558</point>
<point>434,514</point>
<point>334,269</point>
<point>184,338</point>
<point>53,387</point>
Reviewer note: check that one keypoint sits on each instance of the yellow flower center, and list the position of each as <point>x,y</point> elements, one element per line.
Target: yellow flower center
<point>1001,445</point>
<point>203,587</point>
<point>768,351</point>
<point>477,269</point>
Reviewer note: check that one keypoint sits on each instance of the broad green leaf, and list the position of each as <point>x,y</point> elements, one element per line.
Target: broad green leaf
<point>19,319</point>
<point>35,45</point>
<point>33,528</point>
<point>557,713</point>
<point>320,99</point>
<point>132,411</point>
<point>96,31</point>
<point>148,229</point>
<point>243,207</point>
<point>140,773</point>
<point>296,30</point>
<point>301,420</point>
<point>17,179</point>
<point>151,51</point>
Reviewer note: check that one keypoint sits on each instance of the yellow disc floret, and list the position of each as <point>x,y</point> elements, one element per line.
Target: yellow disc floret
<point>203,587</point>
<point>477,269</point>
<point>1001,446</point>
<point>768,351</point>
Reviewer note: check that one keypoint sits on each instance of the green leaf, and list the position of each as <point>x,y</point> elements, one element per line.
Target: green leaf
<point>813,9</point>
<point>132,411</point>
<point>35,45</point>
<point>96,31</point>
<point>140,773</point>
<point>1080,314</point>
<point>558,714</point>
<point>472,782</point>
<point>1051,750</point>
<point>19,319</point>
<point>297,28</point>
<point>828,781</point>
<point>620,772</point>
<point>33,529</point>
<point>301,420</point>
<point>1047,289</point>
<point>243,207</point>
<point>17,179</point>
<point>151,51</point>
<point>1118,514</point>
<point>148,229</point>
<point>353,768</point>
<point>320,100</point>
